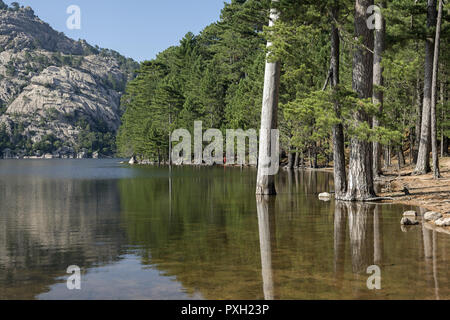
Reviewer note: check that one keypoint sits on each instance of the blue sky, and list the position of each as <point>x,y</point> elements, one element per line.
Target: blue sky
<point>139,29</point>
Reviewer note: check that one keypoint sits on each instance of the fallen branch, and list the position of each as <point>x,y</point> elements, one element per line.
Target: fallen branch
<point>379,199</point>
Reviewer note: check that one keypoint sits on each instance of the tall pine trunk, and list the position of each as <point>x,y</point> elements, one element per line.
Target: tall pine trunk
<point>340,182</point>
<point>434,144</point>
<point>265,184</point>
<point>377,98</point>
<point>423,158</point>
<point>297,160</point>
<point>290,159</point>
<point>443,138</point>
<point>360,182</point>
<point>418,119</point>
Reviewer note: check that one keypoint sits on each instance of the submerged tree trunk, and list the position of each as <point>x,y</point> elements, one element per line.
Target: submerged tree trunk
<point>423,158</point>
<point>340,182</point>
<point>360,182</point>
<point>434,144</point>
<point>378,81</point>
<point>265,184</point>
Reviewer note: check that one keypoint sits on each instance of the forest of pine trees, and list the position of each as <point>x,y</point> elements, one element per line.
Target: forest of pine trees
<point>339,91</point>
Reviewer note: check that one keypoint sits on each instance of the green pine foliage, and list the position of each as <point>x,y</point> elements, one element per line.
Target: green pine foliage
<point>217,77</point>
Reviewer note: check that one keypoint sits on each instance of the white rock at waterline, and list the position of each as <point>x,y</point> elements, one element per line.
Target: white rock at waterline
<point>443,222</point>
<point>432,216</point>
<point>324,195</point>
<point>132,161</point>
<point>411,214</point>
<point>408,222</point>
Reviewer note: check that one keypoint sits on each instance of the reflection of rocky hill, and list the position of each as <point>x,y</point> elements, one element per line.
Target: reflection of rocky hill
<point>48,225</point>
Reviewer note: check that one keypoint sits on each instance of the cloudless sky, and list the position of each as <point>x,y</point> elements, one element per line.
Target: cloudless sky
<point>139,29</point>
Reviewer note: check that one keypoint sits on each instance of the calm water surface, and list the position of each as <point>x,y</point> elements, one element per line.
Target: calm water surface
<point>136,234</point>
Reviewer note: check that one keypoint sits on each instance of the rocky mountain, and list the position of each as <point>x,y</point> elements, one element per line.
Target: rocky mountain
<point>57,95</point>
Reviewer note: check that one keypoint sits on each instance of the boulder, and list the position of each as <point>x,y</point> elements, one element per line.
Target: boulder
<point>408,222</point>
<point>324,195</point>
<point>432,216</point>
<point>411,214</point>
<point>132,160</point>
<point>443,222</point>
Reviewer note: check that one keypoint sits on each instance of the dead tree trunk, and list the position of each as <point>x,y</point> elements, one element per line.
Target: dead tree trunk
<point>423,158</point>
<point>377,98</point>
<point>434,144</point>
<point>340,179</point>
<point>360,182</point>
<point>265,184</point>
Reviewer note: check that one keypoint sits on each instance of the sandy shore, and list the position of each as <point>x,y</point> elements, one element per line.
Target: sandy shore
<point>425,192</point>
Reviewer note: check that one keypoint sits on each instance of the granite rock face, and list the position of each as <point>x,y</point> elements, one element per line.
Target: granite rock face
<point>53,85</point>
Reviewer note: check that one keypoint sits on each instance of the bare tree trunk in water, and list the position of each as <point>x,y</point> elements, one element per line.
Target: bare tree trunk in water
<point>296,161</point>
<point>265,184</point>
<point>423,158</point>
<point>265,209</point>
<point>434,144</point>
<point>377,98</point>
<point>340,176</point>
<point>360,182</point>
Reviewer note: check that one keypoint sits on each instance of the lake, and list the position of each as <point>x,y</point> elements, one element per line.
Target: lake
<point>201,233</point>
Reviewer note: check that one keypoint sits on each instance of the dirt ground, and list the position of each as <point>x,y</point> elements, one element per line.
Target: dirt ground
<point>426,192</point>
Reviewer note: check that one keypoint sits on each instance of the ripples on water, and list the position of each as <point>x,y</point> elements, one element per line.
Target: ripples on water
<point>209,237</point>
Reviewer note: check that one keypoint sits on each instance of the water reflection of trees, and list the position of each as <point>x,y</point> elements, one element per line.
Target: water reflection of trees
<point>266,224</point>
<point>48,225</point>
<point>221,242</point>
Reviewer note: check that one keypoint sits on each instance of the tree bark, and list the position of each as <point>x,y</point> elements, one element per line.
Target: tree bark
<point>443,138</point>
<point>340,176</point>
<point>434,144</point>
<point>401,157</point>
<point>360,182</point>
<point>290,160</point>
<point>296,161</point>
<point>387,156</point>
<point>265,184</point>
<point>423,158</point>
<point>377,98</point>
<point>418,119</point>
